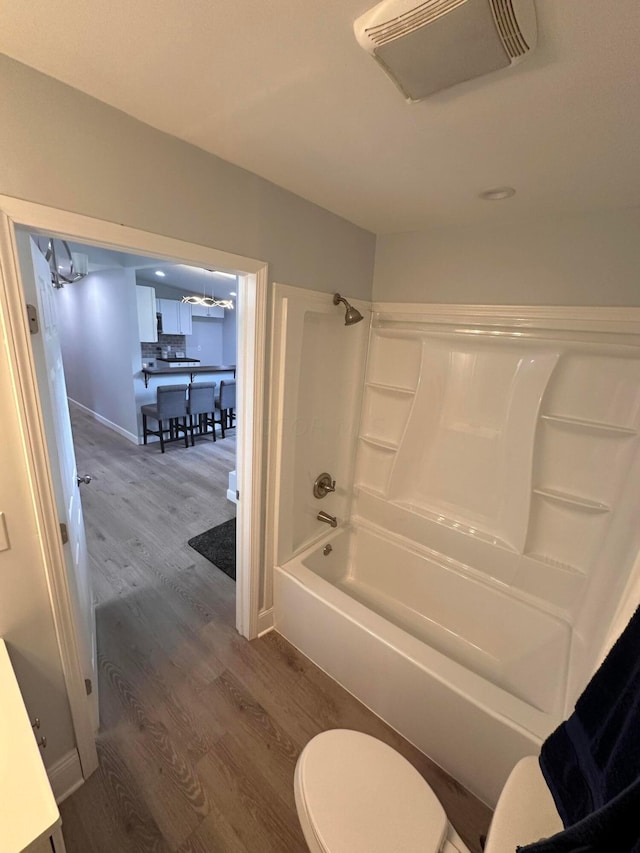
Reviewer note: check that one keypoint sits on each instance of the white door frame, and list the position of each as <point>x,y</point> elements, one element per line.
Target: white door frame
<point>252,298</point>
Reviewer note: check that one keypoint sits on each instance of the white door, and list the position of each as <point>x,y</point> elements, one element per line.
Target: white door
<point>39,291</point>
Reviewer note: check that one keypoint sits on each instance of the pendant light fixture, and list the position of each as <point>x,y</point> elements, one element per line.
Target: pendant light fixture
<point>208,301</point>
<point>66,266</point>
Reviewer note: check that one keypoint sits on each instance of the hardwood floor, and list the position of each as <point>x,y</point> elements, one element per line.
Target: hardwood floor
<point>200,728</point>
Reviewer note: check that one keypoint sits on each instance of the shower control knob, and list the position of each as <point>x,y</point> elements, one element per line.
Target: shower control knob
<point>323,485</point>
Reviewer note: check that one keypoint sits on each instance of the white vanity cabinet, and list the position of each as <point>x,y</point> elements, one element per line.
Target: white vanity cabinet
<point>29,818</point>
<point>147,313</point>
<point>176,317</point>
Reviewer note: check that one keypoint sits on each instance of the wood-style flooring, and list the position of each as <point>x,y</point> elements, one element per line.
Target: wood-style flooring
<point>200,729</point>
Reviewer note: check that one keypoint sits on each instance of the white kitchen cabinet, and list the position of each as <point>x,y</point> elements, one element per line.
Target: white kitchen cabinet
<point>186,325</point>
<point>176,317</point>
<point>170,316</point>
<point>147,311</point>
<point>208,311</point>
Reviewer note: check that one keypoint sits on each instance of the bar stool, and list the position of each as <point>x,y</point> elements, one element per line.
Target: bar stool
<point>171,409</point>
<point>226,405</point>
<point>202,397</point>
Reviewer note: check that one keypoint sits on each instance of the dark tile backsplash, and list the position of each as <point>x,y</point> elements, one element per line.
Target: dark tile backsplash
<point>152,350</point>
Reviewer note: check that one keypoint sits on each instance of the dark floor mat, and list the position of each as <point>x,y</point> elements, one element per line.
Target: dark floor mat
<point>218,545</point>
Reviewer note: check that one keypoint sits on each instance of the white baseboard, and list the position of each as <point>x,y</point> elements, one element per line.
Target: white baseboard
<point>106,422</point>
<point>65,776</point>
<point>265,621</point>
<point>232,489</point>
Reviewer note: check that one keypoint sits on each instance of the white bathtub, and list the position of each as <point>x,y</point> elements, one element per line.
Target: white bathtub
<point>472,676</point>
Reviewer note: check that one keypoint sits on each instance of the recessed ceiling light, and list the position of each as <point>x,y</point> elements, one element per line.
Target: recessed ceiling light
<point>497,194</point>
<point>224,274</point>
<point>160,273</point>
<point>232,293</point>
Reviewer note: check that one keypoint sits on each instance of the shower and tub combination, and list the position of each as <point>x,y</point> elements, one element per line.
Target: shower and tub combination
<point>487,478</point>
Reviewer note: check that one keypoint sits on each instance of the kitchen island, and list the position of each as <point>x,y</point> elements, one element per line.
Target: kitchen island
<point>147,380</point>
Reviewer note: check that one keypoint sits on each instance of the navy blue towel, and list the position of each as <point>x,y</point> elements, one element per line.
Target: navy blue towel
<point>591,762</point>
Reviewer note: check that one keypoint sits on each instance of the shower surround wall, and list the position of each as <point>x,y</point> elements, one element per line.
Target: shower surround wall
<point>514,452</point>
<point>492,522</point>
<point>318,372</point>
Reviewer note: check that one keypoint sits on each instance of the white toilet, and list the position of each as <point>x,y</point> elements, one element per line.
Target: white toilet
<point>354,794</point>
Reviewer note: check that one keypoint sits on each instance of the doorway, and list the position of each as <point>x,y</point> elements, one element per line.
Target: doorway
<point>252,296</point>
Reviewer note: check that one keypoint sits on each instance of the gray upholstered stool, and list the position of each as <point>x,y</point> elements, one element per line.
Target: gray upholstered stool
<point>201,405</point>
<point>170,411</point>
<point>226,405</point>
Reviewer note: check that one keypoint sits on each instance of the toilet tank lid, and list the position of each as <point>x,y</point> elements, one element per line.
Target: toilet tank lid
<point>362,796</point>
<point>525,811</point>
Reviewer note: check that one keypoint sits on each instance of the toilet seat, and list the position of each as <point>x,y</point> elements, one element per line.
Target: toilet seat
<point>354,794</point>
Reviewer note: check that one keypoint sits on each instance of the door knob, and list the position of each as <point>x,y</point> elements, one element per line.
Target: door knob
<point>86,479</point>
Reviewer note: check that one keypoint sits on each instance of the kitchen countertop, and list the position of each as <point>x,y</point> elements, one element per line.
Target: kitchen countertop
<point>192,371</point>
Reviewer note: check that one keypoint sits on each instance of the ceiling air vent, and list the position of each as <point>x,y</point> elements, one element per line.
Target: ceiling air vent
<point>430,46</point>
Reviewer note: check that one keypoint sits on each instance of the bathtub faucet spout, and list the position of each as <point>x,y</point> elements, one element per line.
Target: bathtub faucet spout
<point>328,519</point>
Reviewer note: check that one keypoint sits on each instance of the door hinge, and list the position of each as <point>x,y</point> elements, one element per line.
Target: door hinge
<point>88,686</point>
<point>32,317</point>
<point>237,495</point>
<point>64,533</point>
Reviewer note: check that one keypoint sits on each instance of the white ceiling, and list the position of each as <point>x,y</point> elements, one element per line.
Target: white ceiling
<point>190,280</point>
<point>281,88</point>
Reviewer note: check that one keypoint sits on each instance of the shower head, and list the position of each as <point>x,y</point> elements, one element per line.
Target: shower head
<point>352,315</point>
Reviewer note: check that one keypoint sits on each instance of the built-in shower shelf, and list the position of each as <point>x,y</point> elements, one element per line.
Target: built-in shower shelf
<point>467,528</point>
<point>379,442</point>
<point>370,490</point>
<point>394,389</point>
<point>576,501</point>
<point>590,426</point>
<point>554,564</point>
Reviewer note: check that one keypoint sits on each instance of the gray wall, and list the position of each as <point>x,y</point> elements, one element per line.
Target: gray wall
<point>205,343</point>
<point>98,324</point>
<point>591,259</point>
<point>67,150</point>
<point>229,337</point>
